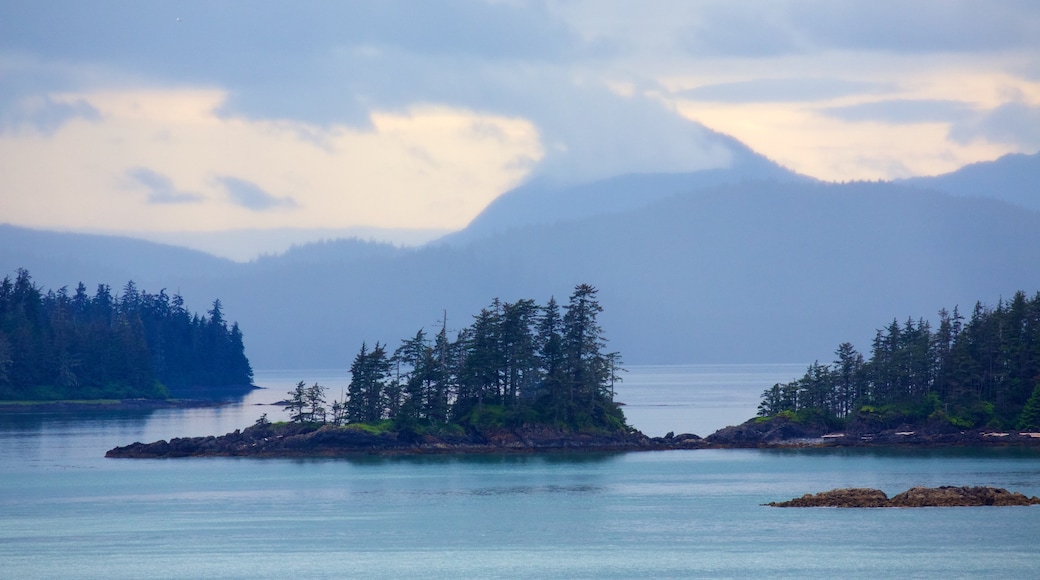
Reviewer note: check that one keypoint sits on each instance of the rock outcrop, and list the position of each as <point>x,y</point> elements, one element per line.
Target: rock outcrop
<point>945,496</point>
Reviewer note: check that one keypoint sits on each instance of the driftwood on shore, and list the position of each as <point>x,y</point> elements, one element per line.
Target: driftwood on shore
<point>945,496</point>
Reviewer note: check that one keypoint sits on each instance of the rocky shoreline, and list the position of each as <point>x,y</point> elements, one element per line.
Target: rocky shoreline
<point>945,496</point>
<point>778,432</point>
<point>308,440</point>
<point>315,440</point>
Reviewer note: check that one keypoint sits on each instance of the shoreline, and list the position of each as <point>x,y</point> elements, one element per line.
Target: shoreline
<point>286,440</point>
<point>182,398</point>
<point>783,433</point>
<point>107,405</point>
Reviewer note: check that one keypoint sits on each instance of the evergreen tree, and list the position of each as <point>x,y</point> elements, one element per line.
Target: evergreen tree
<point>369,373</point>
<point>314,396</point>
<point>583,343</point>
<point>296,405</point>
<point>553,391</point>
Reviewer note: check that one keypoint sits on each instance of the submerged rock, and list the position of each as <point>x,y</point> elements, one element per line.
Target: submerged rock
<point>945,496</point>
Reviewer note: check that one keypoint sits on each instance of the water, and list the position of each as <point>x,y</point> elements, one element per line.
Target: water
<point>65,511</point>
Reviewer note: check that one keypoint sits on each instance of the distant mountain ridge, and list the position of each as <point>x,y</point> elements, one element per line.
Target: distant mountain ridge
<point>770,270</point>
<point>541,202</point>
<point>1014,178</point>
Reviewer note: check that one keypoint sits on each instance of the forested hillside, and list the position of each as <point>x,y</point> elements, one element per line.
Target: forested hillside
<point>57,345</point>
<point>974,372</point>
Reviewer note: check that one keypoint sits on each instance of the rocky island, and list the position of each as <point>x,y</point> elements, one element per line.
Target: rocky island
<point>522,378</point>
<point>945,496</point>
<point>314,440</point>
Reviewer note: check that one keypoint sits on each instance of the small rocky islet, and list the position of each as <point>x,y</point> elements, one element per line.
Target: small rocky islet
<point>944,496</point>
<point>316,440</point>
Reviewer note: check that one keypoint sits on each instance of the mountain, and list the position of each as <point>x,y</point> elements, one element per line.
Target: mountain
<point>1014,178</point>
<point>543,202</point>
<point>743,271</point>
<point>57,259</point>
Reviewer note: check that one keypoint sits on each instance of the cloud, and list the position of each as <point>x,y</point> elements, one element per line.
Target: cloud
<point>45,114</point>
<point>903,111</point>
<point>160,188</point>
<point>250,196</point>
<point>783,90</point>
<point>1015,123</point>
<point>924,26</point>
<point>733,29</point>
<point>334,64</point>
<point>303,95</point>
<point>722,31</point>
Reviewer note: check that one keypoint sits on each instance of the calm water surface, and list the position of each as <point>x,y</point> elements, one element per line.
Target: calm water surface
<point>65,511</point>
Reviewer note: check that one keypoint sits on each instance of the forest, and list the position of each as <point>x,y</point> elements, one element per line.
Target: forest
<point>517,364</point>
<point>979,372</point>
<point>55,345</point>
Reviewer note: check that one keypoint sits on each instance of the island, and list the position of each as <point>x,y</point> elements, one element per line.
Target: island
<point>521,377</point>
<point>529,377</point>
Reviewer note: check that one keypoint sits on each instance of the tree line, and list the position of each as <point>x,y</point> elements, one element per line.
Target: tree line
<point>517,363</point>
<point>62,345</point>
<point>983,371</point>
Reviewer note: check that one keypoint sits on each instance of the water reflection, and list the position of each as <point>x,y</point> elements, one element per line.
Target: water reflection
<point>679,398</point>
<point>549,458</point>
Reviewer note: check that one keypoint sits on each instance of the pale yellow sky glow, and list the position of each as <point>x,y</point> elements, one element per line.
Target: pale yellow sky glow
<point>801,136</point>
<point>431,167</point>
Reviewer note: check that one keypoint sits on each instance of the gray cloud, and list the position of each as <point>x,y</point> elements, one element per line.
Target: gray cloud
<point>250,196</point>
<point>783,90</point>
<point>1014,123</point>
<point>921,26</point>
<point>160,188</point>
<point>904,111</point>
<point>336,62</point>
<point>736,29</point>
<point>722,30</point>
<point>44,114</point>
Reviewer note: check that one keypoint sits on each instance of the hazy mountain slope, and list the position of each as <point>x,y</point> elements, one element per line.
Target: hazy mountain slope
<point>539,202</point>
<point>1014,178</point>
<point>774,272</point>
<point>751,273</point>
<point>57,259</point>
<point>755,272</point>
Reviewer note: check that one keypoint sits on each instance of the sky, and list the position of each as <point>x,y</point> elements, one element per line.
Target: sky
<point>404,119</point>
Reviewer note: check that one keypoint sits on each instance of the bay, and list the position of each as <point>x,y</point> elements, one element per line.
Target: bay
<point>65,511</point>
